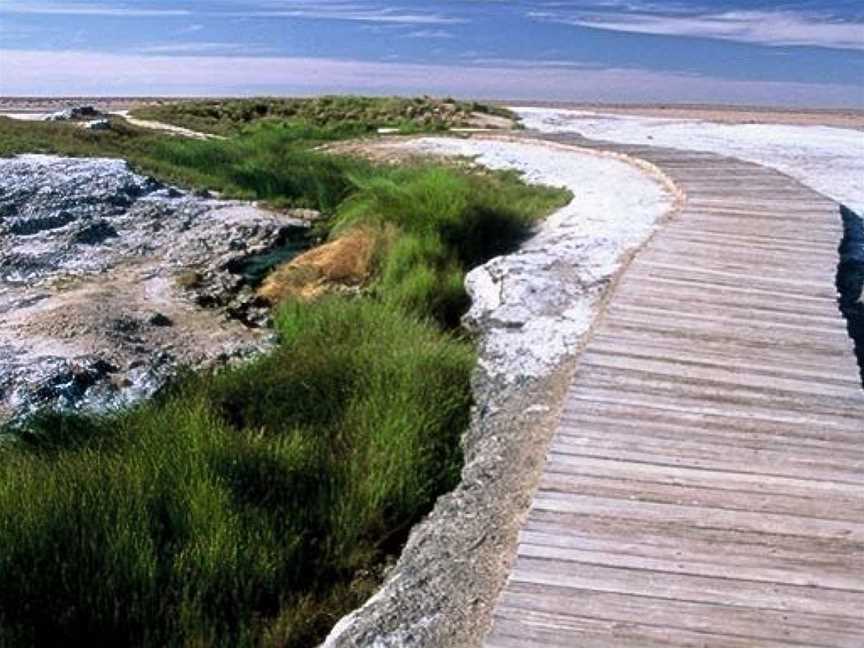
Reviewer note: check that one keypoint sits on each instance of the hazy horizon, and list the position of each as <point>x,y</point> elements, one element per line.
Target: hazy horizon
<point>757,52</point>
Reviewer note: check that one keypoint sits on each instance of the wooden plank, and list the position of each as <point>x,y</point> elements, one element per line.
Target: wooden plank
<point>769,362</point>
<point>660,426</point>
<point>706,483</point>
<point>720,590</point>
<point>761,418</point>
<point>741,546</point>
<point>708,457</point>
<point>717,393</point>
<point>737,375</point>
<point>831,563</point>
<point>531,629</point>
<point>755,625</point>
<point>648,482</point>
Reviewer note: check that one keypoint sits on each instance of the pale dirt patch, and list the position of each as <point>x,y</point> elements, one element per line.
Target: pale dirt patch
<point>492,122</point>
<point>162,127</point>
<point>389,149</point>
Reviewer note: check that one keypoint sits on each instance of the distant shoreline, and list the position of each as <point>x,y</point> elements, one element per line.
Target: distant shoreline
<point>730,114</point>
<point>733,114</point>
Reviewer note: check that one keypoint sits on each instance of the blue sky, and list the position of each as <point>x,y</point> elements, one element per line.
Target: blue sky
<point>732,51</point>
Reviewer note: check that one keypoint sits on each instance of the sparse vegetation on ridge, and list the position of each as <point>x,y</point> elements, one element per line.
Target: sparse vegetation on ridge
<point>257,505</point>
<point>336,115</point>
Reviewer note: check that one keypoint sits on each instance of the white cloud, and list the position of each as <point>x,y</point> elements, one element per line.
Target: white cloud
<point>773,28</point>
<point>532,63</point>
<point>85,9</point>
<point>430,33</point>
<point>206,48</point>
<point>91,73</point>
<point>350,11</point>
<point>368,12</point>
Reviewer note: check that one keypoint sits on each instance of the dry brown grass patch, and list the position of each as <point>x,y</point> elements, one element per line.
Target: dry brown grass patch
<point>343,263</point>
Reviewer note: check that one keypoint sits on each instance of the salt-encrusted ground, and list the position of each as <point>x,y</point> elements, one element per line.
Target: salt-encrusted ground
<point>531,310</point>
<point>830,160</point>
<point>110,282</point>
<point>533,307</point>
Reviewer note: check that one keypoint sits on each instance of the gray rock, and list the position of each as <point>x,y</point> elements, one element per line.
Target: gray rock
<point>75,113</point>
<point>99,124</point>
<point>110,282</point>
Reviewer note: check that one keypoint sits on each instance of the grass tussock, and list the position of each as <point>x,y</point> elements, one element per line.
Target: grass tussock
<point>213,516</point>
<point>441,221</point>
<point>253,507</point>
<point>328,117</point>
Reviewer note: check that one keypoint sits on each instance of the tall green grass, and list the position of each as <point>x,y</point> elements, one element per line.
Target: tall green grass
<point>271,162</point>
<point>243,508</point>
<point>446,221</point>
<point>198,519</point>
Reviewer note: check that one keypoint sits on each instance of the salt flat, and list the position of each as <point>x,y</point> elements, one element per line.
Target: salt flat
<point>829,160</point>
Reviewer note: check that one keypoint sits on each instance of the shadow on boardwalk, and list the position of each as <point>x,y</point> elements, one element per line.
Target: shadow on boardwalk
<point>850,280</point>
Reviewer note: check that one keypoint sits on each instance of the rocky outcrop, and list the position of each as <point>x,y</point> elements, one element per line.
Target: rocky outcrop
<point>98,124</point>
<point>75,113</point>
<point>110,282</point>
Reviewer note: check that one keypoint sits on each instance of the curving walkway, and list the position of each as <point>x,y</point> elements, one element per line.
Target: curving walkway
<point>706,484</point>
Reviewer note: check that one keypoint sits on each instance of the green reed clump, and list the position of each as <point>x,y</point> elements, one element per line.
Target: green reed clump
<point>202,517</point>
<point>253,506</point>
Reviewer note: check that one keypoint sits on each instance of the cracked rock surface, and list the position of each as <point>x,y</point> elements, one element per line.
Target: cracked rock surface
<point>111,282</point>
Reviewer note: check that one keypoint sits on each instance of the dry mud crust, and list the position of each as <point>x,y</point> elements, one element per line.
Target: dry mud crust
<point>532,312</point>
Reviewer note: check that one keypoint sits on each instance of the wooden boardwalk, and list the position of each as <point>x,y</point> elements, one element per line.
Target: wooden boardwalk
<point>706,484</point>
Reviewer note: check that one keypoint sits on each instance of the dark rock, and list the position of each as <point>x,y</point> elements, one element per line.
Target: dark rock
<point>76,113</point>
<point>95,233</point>
<point>31,226</point>
<point>124,325</point>
<point>158,319</point>
<point>99,124</point>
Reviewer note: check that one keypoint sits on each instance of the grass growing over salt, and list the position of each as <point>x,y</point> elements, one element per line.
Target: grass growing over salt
<point>441,221</point>
<point>256,505</point>
<point>272,162</point>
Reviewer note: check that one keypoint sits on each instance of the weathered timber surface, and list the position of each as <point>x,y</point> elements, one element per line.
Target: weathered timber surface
<point>706,483</point>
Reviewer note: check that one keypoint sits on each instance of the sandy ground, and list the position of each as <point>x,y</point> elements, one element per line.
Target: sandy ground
<point>827,159</point>
<point>161,127</point>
